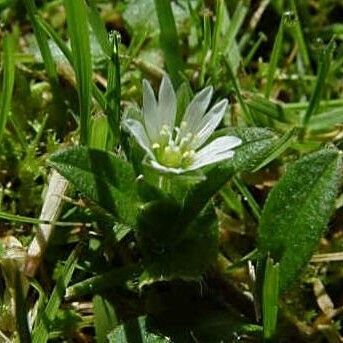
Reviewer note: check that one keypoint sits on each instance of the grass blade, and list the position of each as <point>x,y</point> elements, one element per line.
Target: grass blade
<point>8,81</point>
<point>246,112</point>
<point>30,220</point>
<point>103,282</point>
<point>324,65</point>
<point>77,21</point>
<point>99,97</point>
<point>169,40</point>
<point>280,146</point>
<point>261,108</point>
<point>40,333</point>
<point>110,46</point>
<point>49,63</point>
<point>275,57</point>
<point>217,31</point>
<point>326,121</point>
<point>299,38</point>
<point>255,208</point>
<point>270,298</point>
<point>261,38</point>
<point>43,44</point>
<point>20,309</point>
<point>105,318</point>
<point>235,24</point>
<point>99,29</point>
<point>113,91</point>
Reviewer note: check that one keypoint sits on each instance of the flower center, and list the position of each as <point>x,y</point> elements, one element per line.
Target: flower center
<point>173,148</point>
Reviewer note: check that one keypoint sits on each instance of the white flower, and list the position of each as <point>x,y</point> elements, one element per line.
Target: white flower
<point>173,149</point>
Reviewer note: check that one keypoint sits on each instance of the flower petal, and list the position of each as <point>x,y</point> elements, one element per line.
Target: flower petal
<point>137,130</point>
<point>164,169</point>
<point>209,123</point>
<point>216,151</point>
<point>166,103</point>
<point>150,112</point>
<point>196,109</point>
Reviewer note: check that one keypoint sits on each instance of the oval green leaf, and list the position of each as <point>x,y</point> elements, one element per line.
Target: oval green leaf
<point>102,177</point>
<point>297,211</point>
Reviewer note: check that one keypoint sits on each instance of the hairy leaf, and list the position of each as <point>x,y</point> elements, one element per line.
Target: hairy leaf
<point>297,211</point>
<point>102,177</point>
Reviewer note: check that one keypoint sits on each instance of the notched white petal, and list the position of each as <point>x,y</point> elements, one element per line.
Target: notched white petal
<point>150,111</point>
<point>207,160</point>
<point>216,151</point>
<point>210,122</point>
<point>197,108</point>
<point>138,131</point>
<point>167,102</point>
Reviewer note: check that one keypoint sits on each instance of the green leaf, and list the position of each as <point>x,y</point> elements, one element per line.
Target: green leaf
<point>135,331</point>
<point>42,41</point>
<point>324,66</point>
<point>257,145</point>
<point>236,85</point>
<point>202,321</point>
<point>280,146</point>
<point>270,298</point>
<point>235,24</point>
<point>99,132</point>
<point>113,91</point>
<point>102,177</point>
<point>103,282</point>
<point>197,244</point>
<point>21,308</point>
<point>297,211</point>
<point>158,224</point>
<point>262,107</point>
<point>105,318</point>
<point>77,20</point>
<point>8,80</point>
<point>326,121</point>
<point>169,40</point>
<point>299,38</point>
<point>69,56</point>
<point>276,52</point>
<point>99,29</point>
<point>40,332</point>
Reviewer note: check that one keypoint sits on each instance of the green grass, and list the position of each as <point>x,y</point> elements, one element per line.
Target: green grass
<point>8,80</point>
<point>221,254</point>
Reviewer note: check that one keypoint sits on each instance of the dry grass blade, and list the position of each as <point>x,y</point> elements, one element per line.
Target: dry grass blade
<point>50,212</point>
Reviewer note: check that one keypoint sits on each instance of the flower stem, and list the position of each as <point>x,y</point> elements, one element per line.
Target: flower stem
<point>164,184</point>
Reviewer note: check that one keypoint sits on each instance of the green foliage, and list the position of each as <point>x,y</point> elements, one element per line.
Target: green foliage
<point>270,298</point>
<point>42,41</point>
<point>105,318</point>
<point>8,80</point>
<point>171,257</point>
<point>297,211</point>
<point>40,332</point>
<point>135,331</point>
<point>169,40</point>
<point>166,249</point>
<point>76,12</point>
<point>103,177</point>
<point>257,145</point>
<point>206,325</point>
<point>324,65</point>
